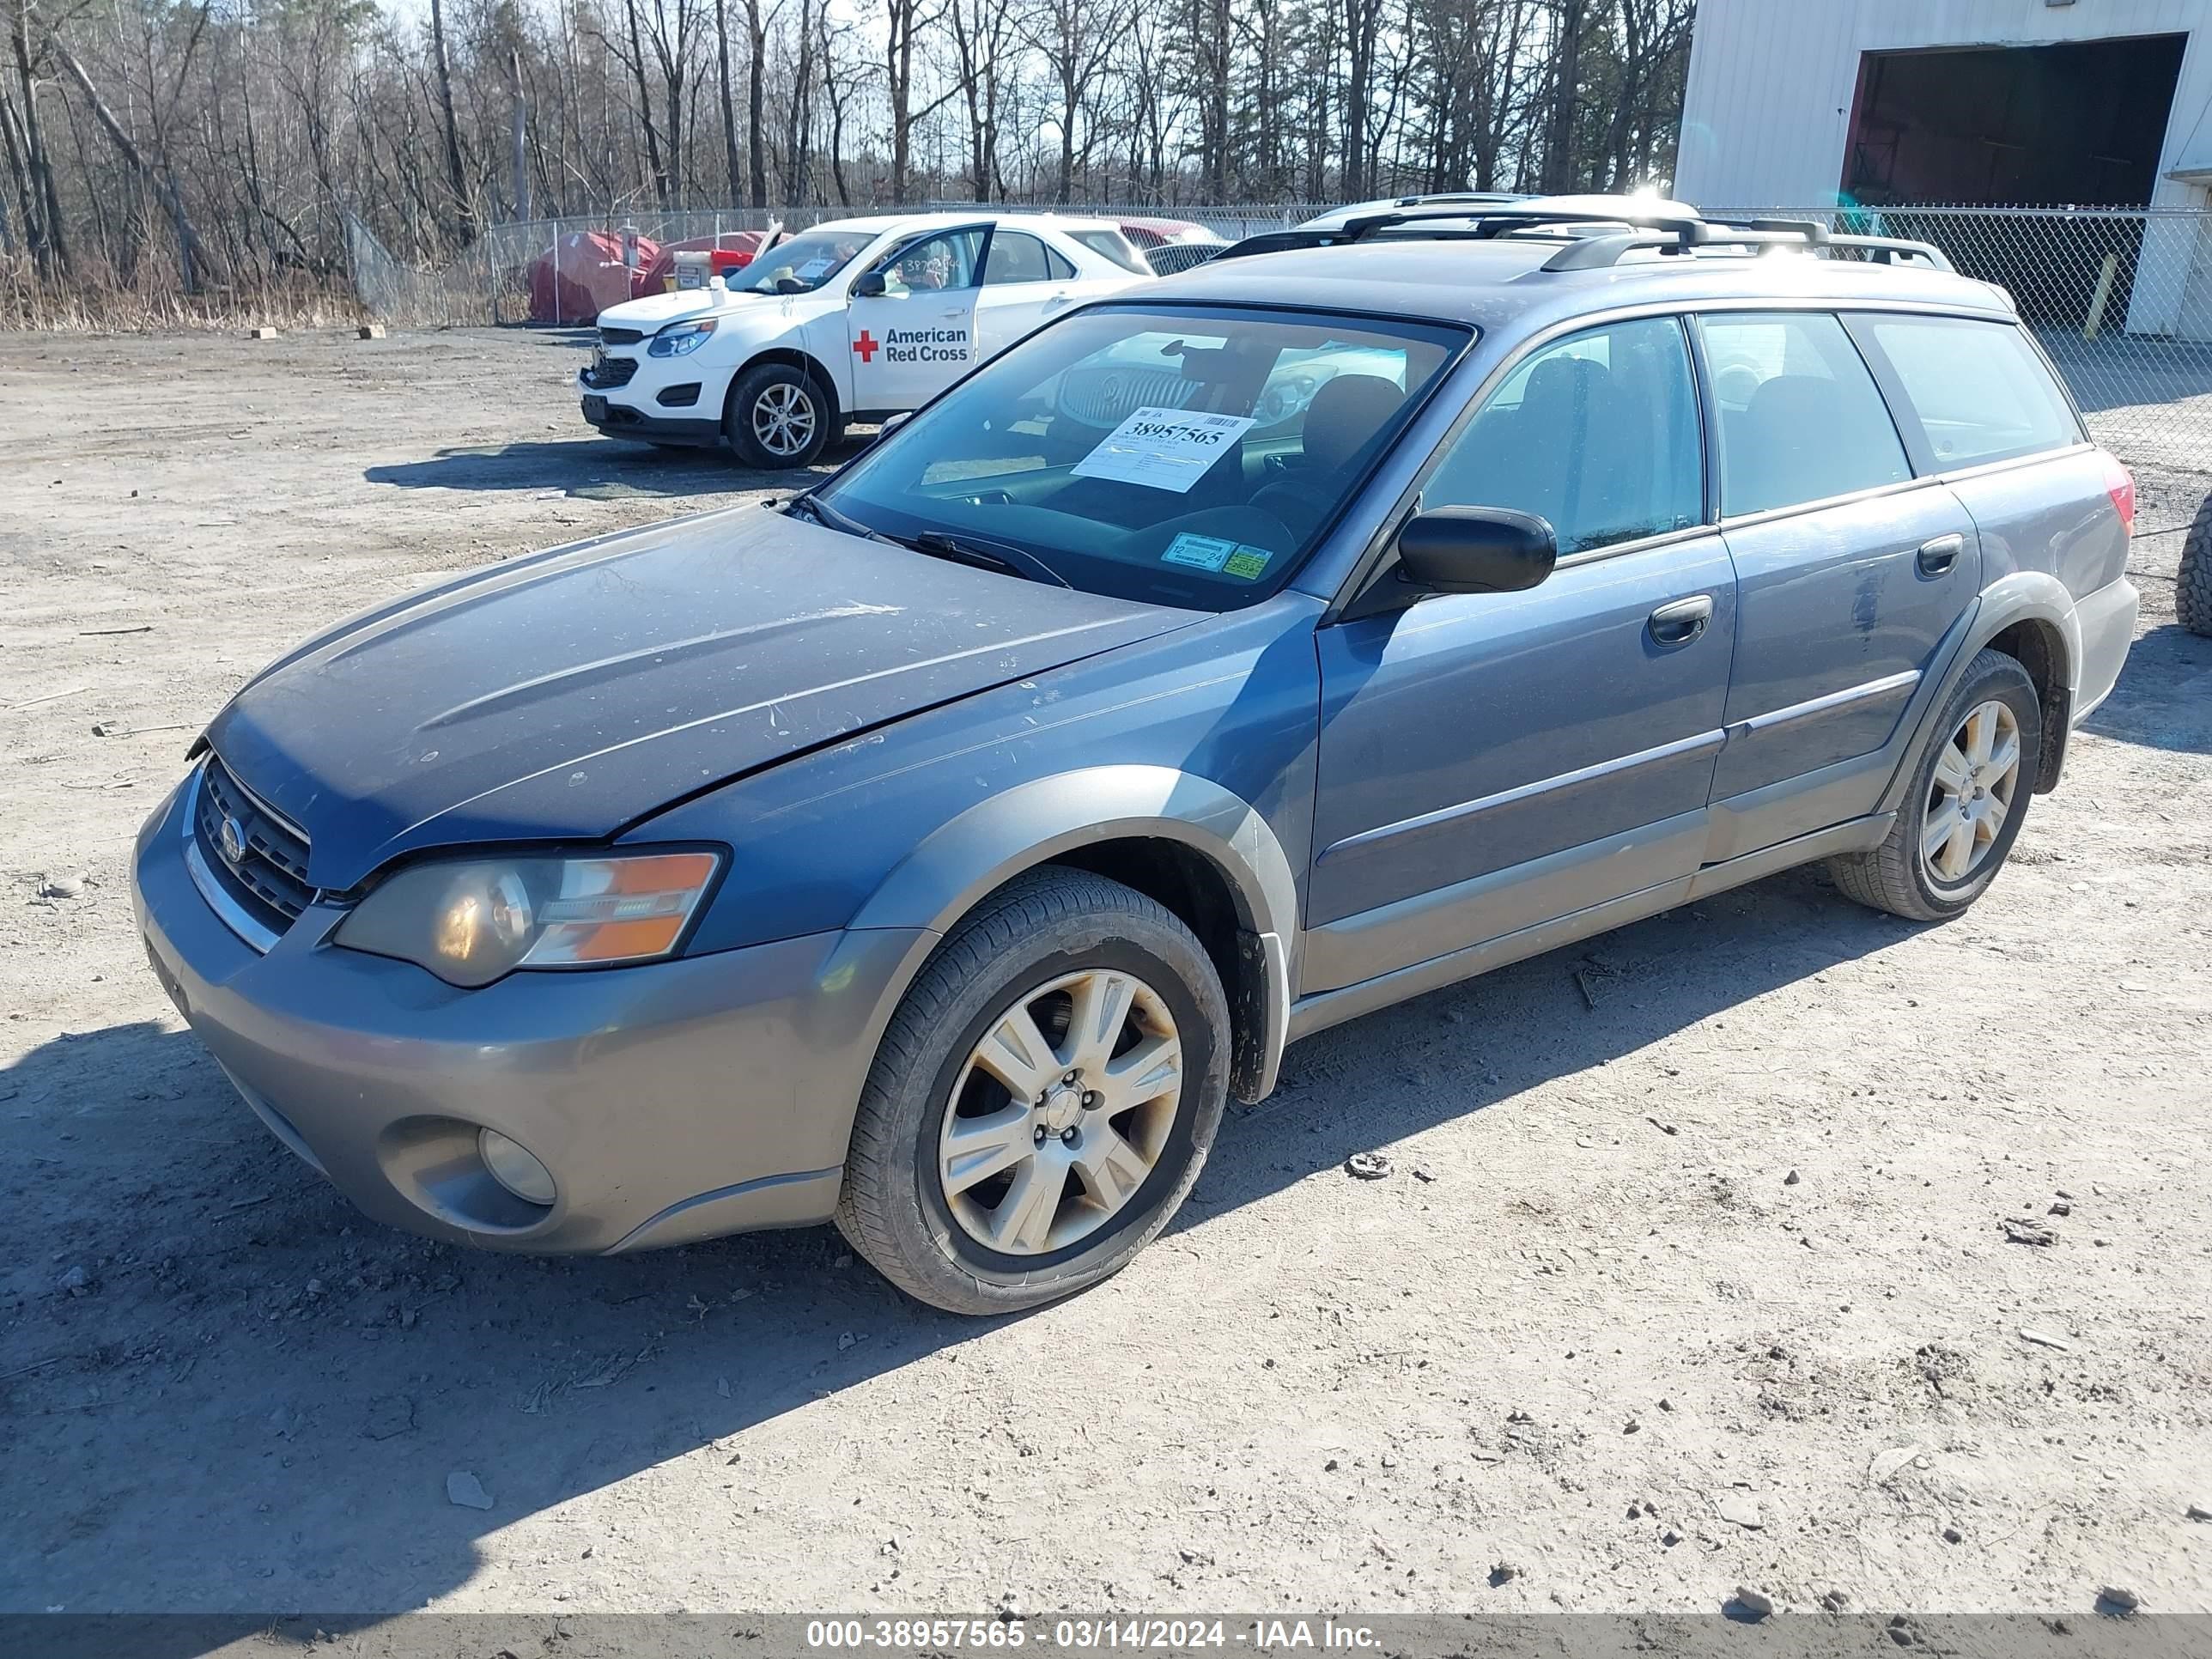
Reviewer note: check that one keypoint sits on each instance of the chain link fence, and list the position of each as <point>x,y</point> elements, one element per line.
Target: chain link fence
<point>2121,298</point>
<point>562,272</point>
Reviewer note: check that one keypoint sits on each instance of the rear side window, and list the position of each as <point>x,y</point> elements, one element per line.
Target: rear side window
<point>1016,258</point>
<point>1115,247</point>
<point>1596,435</point>
<point>1980,391</point>
<point>1800,419</point>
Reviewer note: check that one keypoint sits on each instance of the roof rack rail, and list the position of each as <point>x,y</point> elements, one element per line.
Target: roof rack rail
<point>1669,233</point>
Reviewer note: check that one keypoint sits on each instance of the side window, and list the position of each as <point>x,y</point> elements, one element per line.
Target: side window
<point>1062,267</point>
<point>1015,258</point>
<point>1800,417</point>
<point>943,261</point>
<point>1115,247</point>
<point>1597,434</point>
<point>1979,390</point>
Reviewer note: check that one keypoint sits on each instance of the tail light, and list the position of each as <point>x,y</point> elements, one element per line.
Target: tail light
<point>2120,485</point>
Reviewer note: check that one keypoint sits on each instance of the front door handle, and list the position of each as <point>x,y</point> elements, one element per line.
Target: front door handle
<point>1939,555</point>
<point>1682,621</point>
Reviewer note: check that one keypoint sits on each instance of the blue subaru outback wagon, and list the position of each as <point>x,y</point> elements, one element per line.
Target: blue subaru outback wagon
<point>938,851</point>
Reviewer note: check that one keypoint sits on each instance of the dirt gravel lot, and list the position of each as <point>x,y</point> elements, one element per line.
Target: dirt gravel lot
<point>1692,1272</point>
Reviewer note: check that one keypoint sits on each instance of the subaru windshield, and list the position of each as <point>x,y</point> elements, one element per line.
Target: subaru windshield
<point>801,264</point>
<point>1187,455</point>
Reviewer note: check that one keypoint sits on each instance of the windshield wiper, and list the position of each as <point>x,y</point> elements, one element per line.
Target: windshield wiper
<point>990,555</point>
<point>809,503</point>
<point>980,551</point>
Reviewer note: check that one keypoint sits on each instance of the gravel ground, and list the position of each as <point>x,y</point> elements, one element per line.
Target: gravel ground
<point>1696,1267</point>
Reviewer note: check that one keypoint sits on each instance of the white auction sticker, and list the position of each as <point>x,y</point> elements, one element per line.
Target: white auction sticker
<point>1163,449</point>
<point>810,270</point>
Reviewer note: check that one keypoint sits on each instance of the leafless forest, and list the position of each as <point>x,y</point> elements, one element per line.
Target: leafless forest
<point>211,148</point>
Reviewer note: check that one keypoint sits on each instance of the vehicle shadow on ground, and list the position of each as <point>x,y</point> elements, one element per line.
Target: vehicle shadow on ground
<point>233,1394</point>
<point>2152,703</point>
<point>596,469</point>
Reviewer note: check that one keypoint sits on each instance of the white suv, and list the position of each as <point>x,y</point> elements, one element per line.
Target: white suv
<point>857,319</point>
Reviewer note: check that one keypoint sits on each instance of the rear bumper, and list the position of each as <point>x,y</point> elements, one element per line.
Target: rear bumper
<point>670,1103</point>
<point>2108,620</point>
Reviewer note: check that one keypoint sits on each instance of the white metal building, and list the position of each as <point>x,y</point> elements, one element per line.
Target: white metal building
<point>2018,101</point>
<point>1810,103</point>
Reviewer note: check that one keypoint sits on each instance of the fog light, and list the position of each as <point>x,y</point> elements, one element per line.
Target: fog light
<point>512,1166</point>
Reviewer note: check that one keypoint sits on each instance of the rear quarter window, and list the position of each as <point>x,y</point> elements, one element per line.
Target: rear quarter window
<point>1115,247</point>
<point>1979,391</point>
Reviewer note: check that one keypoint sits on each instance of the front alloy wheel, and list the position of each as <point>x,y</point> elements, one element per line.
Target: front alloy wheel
<point>1061,1113</point>
<point>1042,1098</point>
<point>779,417</point>
<point>784,420</point>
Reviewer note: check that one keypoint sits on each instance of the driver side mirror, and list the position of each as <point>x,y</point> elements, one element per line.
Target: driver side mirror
<point>1461,550</point>
<point>869,285</point>
<point>1476,550</point>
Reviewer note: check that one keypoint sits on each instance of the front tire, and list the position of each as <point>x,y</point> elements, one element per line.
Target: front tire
<point>778,417</point>
<point>1042,1099</point>
<point>1971,785</point>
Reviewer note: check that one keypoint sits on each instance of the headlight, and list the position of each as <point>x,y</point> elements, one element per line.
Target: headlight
<point>679,341</point>
<point>470,922</point>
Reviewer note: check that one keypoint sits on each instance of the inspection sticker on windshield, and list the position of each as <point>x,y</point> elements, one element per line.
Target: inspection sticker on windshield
<point>1200,552</point>
<point>1215,553</point>
<point>1163,449</point>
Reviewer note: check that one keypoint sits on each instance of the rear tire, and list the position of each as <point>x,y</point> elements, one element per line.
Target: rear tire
<point>778,417</point>
<point>1970,786</point>
<point>979,1197</point>
<point>2192,591</point>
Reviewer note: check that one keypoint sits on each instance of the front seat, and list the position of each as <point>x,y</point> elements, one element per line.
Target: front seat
<point>1342,424</point>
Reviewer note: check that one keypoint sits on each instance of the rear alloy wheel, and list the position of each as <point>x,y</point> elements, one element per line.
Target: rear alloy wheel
<point>1042,1099</point>
<point>778,417</point>
<point>1970,792</point>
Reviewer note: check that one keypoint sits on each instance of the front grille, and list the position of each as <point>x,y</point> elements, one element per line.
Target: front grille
<point>610,372</point>
<point>621,336</point>
<point>270,877</point>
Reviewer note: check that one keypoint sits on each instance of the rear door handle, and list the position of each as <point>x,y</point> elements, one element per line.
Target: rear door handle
<point>1682,621</point>
<point>1939,555</point>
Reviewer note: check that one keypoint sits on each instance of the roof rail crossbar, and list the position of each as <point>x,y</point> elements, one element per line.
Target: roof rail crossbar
<point>1885,250</point>
<point>1670,233</point>
<point>1598,252</point>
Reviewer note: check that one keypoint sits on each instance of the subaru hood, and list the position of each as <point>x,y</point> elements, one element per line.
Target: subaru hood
<point>566,695</point>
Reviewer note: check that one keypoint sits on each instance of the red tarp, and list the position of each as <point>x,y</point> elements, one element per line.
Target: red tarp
<point>584,273</point>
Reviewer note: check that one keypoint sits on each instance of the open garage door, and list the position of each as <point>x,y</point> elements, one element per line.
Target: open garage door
<point>2016,126</point>
<point>2079,125</point>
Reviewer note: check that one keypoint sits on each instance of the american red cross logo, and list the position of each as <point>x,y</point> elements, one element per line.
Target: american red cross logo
<point>867,345</point>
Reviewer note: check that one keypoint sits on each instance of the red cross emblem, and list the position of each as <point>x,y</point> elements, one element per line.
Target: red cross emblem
<point>867,345</point>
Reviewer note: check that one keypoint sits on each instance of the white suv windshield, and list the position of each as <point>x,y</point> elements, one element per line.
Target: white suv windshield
<point>801,264</point>
<point>1188,456</point>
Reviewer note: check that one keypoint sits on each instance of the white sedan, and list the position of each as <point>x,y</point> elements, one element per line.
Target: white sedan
<point>857,319</point>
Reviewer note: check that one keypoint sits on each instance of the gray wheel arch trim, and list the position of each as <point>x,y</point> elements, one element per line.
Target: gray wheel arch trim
<point>2022,595</point>
<point>995,840</point>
